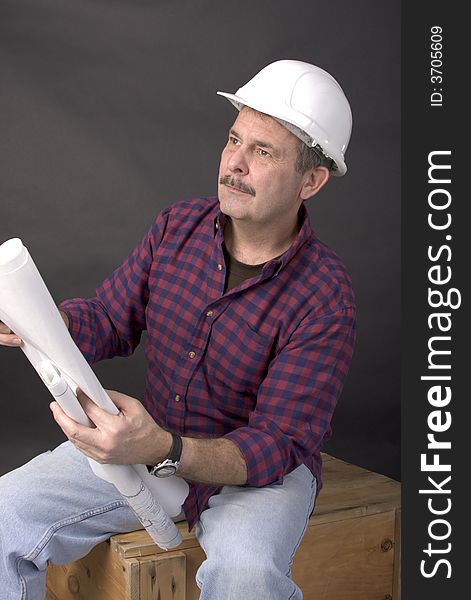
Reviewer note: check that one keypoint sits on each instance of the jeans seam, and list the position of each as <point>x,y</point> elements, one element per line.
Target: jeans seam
<point>21,578</point>
<point>198,581</point>
<point>71,521</point>
<point>54,528</point>
<point>296,546</point>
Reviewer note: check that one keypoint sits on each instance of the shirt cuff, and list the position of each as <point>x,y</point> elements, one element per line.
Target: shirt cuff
<point>266,452</point>
<point>79,331</point>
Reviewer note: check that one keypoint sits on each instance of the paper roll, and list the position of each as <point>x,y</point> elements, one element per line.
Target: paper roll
<point>28,309</point>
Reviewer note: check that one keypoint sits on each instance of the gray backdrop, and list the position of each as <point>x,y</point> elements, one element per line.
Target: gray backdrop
<point>109,113</point>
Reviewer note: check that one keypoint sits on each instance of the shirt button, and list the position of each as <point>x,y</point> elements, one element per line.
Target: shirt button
<point>191,354</point>
<point>177,398</point>
<point>219,267</point>
<point>209,313</point>
<point>217,225</point>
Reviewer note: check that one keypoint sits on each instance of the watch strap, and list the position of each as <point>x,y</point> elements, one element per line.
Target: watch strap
<point>176,449</point>
<point>173,456</point>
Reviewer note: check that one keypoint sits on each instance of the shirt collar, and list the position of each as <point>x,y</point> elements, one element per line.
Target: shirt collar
<point>218,224</point>
<point>274,266</point>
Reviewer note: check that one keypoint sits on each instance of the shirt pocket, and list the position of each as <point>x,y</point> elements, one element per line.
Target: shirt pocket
<point>238,357</point>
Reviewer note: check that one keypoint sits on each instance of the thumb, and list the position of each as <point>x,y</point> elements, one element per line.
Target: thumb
<point>91,409</point>
<point>122,402</point>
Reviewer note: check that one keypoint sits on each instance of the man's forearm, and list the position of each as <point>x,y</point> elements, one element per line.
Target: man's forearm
<point>215,461</point>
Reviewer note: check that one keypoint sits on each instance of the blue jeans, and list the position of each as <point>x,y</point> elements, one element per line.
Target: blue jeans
<point>54,509</point>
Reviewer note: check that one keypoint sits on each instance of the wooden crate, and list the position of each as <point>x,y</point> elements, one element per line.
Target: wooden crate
<point>351,551</point>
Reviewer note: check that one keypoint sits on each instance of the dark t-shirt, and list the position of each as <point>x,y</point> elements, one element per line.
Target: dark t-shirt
<point>237,272</point>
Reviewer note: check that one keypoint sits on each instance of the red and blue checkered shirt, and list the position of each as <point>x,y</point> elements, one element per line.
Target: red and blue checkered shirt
<point>261,365</point>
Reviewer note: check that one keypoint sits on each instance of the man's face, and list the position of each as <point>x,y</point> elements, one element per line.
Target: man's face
<point>258,182</point>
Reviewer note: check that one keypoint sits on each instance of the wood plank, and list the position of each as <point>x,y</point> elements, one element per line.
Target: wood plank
<point>139,543</point>
<point>131,571</point>
<point>351,560</point>
<point>50,596</point>
<point>194,558</point>
<point>397,559</point>
<point>163,577</point>
<point>100,575</point>
<point>348,488</point>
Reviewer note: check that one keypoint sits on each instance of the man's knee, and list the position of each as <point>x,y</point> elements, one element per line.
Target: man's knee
<point>14,518</point>
<point>234,576</point>
<point>14,499</point>
<point>24,505</point>
<point>233,572</point>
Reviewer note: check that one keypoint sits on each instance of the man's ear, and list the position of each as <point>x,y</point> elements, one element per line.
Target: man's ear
<point>313,181</point>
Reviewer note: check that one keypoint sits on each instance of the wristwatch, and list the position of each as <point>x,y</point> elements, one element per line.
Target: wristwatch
<point>170,464</point>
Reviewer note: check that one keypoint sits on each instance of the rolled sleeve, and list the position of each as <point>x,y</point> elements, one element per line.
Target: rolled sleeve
<point>90,328</point>
<point>296,400</point>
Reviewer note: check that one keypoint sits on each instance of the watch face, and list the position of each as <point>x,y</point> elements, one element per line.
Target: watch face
<point>165,470</point>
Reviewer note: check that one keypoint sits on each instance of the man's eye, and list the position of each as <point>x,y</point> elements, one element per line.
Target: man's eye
<point>233,140</point>
<point>263,152</point>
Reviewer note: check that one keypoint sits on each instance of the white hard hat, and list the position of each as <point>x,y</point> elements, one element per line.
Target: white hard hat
<point>306,100</point>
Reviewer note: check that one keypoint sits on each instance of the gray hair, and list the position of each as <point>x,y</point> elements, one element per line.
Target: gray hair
<point>310,154</point>
<point>309,157</point>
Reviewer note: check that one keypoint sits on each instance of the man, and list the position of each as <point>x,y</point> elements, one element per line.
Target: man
<point>250,329</point>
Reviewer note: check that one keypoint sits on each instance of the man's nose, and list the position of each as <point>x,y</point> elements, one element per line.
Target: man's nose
<point>237,162</point>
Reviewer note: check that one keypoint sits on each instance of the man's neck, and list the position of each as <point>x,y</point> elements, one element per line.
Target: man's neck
<point>255,245</point>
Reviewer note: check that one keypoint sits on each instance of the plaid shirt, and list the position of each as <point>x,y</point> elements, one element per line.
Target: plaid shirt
<point>261,365</point>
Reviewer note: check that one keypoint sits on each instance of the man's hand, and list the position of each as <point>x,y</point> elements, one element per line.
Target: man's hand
<point>7,337</point>
<point>130,437</point>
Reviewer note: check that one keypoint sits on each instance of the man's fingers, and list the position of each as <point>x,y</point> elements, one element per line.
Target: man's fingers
<point>97,414</point>
<point>123,402</point>
<point>73,430</point>
<point>7,337</point>
<point>4,328</point>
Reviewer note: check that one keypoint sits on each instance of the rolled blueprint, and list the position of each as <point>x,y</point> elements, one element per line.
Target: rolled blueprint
<point>27,308</point>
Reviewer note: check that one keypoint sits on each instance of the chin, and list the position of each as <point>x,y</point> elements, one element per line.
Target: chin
<point>228,210</point>
<point>232,207</point>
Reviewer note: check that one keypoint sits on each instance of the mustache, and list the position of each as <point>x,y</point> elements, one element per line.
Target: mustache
<point>238,185</point>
